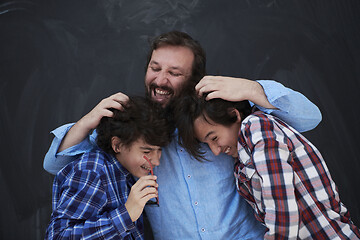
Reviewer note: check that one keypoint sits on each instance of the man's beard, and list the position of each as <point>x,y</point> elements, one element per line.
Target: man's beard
<point>187,88</point>
<point>149,91</point>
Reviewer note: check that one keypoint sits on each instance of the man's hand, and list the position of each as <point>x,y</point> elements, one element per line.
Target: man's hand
<point>91,120</point>
<point>141,192</point>
<point>233,89</point>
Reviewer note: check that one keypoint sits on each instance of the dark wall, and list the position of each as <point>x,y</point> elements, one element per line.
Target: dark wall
<point>59,58</point>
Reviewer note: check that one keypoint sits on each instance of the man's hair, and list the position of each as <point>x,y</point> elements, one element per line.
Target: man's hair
<point>189,107</point>
<point>141,118</point>
<point>176,38</point>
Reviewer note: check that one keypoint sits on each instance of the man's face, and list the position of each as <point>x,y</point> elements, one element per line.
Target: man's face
<point>168,70</point>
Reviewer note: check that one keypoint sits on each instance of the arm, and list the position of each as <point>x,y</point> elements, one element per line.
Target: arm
<point>72,140</point>
<point>274,180</point>
<point>87,217</point>
<point>269,96</point>
<point>91,120</point>
<point>54,161</point>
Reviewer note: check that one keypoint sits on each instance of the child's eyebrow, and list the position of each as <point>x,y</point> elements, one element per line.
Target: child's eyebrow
<point>207,135</point>
<point>148,148</point>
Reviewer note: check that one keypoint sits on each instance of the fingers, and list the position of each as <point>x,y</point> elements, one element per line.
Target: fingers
<point>145,185</point>
<point>141,192</point>
<point>209,84</point>
<point>146,181</point>
<point>144,189</point>
<point>212,95</point>
<point>121,100</point>
<point>116,101</point>
<point>203,85</point>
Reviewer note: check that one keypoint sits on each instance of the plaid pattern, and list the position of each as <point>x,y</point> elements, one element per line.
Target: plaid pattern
<point>88,200</point>
<point>285,179</point>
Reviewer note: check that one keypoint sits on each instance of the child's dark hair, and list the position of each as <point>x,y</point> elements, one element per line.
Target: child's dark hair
<point>189,107</point>
<point>141,118</point>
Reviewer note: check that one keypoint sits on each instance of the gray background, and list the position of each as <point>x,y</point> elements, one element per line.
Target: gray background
<point>59,58</point>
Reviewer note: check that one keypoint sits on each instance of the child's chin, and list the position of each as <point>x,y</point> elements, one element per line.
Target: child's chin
<point>139,175</point>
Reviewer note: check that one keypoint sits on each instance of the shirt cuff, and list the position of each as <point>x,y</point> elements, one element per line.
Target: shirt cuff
<point>122,221</point>
<point>80,148</point>
<point>276,94</point>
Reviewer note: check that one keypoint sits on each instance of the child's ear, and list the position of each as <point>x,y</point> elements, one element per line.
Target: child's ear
<point>236,112</point>
<point>116,144</point>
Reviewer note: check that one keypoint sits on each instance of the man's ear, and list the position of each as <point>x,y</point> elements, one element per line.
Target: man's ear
<point>116,144</point>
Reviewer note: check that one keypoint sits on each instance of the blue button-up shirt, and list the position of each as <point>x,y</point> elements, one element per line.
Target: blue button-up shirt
<point>198,200</point>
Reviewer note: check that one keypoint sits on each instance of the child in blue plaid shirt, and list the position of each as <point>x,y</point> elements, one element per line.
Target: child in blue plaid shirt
<point>96,196</point>
<point>278,171</point>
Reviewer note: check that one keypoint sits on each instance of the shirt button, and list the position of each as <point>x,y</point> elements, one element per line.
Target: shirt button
<point>203,229</point>
<point>196,203</point>
<point>188,176</point>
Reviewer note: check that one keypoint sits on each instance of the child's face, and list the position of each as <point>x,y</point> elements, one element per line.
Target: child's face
<point>132,157</point>
<point>220,138</point>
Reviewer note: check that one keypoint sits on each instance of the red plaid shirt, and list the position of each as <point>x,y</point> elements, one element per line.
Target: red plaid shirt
<point>285,179</point>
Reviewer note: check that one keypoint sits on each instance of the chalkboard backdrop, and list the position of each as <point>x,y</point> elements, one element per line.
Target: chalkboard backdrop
<point>59,58</point>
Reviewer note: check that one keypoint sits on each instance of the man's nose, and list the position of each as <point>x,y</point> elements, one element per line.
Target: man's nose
<point>161,78</point>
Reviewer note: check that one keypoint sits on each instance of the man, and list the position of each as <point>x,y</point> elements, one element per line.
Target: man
<point>198,200</point>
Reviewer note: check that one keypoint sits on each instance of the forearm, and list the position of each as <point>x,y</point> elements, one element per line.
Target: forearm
<point>257,95</point>
<point>74,136</point>
<point>105,226</point>
<point>290,106</point>
<point>55,160</point>
<point>81,208</point>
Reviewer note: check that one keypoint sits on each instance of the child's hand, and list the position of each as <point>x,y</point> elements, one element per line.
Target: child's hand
<point>141,192</point>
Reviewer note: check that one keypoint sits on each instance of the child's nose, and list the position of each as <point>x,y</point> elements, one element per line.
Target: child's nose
<point>155,160</point>
<point>215,149</point>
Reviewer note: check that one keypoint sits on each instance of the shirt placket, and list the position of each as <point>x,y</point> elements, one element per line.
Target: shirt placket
<point>193,192</point>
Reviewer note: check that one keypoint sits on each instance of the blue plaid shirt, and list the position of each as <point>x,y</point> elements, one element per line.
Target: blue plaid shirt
<point>88,200</point>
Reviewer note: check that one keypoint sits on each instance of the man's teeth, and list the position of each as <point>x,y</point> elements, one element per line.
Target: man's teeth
<point>161,92</point>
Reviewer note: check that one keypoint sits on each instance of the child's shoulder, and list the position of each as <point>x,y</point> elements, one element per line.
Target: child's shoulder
<point>94,160</point>
<point>257,118</point>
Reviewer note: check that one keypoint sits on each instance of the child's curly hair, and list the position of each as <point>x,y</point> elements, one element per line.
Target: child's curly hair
<point>142,118</point>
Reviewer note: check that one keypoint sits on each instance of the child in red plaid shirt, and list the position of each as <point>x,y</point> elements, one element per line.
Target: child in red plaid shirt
<point>278,171</point>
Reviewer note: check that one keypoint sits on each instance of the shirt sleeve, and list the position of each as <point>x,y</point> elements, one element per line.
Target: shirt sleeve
<point>292,107</point>
<point>81,212</point>
<point>54,161</point>
<point>270,155</point>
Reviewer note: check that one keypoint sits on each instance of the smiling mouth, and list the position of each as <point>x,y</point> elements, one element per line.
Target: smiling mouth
<point>227,150</point>
<point>146,168</point>
<point>162,92</point>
